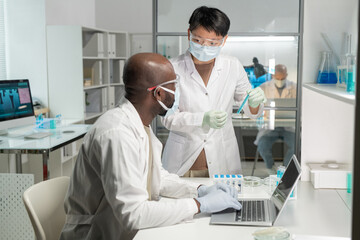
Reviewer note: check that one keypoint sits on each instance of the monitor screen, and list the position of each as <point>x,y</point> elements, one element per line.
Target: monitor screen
<point>15,100</point>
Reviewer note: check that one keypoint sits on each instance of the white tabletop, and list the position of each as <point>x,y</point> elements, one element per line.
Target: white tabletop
<point>59,136</point>
<point>319,212</point>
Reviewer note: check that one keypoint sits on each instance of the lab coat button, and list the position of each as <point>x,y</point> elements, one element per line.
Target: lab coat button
<point>204,140</point>
<point>209,162</point>
<point>206,94</point>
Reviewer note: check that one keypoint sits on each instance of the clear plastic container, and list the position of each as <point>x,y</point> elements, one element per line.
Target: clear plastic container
<point>272,233</point>
<point>250,181</point>
<point>327,70</point>
<point>270,183</point>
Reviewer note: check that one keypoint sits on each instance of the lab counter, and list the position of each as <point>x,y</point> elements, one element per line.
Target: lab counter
<point>315,212</point>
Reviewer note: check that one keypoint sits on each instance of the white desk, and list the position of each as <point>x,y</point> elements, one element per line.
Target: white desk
<point>315,212</point>
<point>61,136</point>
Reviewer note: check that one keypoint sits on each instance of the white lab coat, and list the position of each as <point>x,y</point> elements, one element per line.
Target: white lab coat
<point>271,90</point>
<point>227,86</point>
<point>107,197</point>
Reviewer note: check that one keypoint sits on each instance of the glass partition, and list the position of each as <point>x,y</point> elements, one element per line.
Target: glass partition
<point>259,30</point>
<point>269,51</point>
<point>256,16</point>
<point>265,143</point>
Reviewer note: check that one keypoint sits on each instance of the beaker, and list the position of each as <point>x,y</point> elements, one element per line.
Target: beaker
<point>350,76</point>
<point>327,72</point>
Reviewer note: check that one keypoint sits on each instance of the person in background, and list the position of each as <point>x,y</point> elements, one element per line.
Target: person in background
<point>278,87</point>
<point>118,178</point>
<point>259,69</point>
<point>202,140</point>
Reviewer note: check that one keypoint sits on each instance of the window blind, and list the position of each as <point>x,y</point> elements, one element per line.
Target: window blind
<point>2,40</point>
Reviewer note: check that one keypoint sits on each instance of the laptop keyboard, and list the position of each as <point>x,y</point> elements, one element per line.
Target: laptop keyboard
<point>251,211</point>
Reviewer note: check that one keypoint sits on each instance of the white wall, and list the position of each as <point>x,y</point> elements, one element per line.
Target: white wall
<point>333,17</point>
<point>70,12</point>
<point>26,44</point>
<point>123,15</point>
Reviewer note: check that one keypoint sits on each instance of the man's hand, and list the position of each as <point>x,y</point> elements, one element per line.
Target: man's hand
<point>217,201</point>
<point>204,190</point>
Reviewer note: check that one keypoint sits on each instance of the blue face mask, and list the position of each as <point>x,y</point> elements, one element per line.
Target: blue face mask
<point>175,106</point>
<point>204,53</point>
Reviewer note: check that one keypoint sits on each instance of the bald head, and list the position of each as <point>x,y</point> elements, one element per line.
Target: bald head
<point>144,70</point>
<point>280,72</point>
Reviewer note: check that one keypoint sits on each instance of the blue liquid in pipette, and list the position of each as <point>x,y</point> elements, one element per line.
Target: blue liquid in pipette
<point>327,77</point>
<point>242,105</point>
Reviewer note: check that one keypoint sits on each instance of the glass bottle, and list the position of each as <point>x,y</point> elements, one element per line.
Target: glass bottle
<point>327,72</point>
<point>350,70</point>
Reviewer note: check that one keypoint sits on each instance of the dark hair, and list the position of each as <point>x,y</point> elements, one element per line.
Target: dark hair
<point>255,60</point>
<point>212,19</point>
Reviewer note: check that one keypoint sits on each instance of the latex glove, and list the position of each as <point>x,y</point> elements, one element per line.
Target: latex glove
<point>204,190</point>
<point>215,119</point>
<point>256,97</point>
<point>217,201</point>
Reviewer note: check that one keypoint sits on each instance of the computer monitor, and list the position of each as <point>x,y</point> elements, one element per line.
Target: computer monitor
<point>16,108</point>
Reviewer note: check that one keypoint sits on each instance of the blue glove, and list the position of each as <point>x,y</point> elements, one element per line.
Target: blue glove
<point>217,201</point>
<point>204,190</point>
<point>256,97</point>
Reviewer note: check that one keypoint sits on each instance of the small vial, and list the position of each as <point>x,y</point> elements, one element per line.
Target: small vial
<point>280,171</point>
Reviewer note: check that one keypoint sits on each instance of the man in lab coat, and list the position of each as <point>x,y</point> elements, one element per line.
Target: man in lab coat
<point>202,140</point>
<point>118,178</point>
<point>278,87</point>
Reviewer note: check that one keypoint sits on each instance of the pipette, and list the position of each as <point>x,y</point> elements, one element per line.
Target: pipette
<point>242,105</point>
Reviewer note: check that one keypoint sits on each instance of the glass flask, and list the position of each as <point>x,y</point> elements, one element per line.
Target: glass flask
<point>327,74</point>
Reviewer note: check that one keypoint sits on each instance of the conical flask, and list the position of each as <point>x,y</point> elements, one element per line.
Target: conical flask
<point>327,72</point>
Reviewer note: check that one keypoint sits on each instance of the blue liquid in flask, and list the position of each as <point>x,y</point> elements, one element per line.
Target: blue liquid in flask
<point>327,77</point>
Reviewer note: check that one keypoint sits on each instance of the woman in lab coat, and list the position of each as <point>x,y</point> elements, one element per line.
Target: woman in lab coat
<point>202,141</point>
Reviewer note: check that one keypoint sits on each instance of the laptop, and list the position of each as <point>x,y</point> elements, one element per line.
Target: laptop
<point>262,212</point>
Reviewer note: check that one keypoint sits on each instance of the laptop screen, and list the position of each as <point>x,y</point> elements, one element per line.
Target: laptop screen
<point>286,184</point>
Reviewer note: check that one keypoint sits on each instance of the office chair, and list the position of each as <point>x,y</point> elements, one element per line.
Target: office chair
<point>257,156</point>
<point>44,203</point>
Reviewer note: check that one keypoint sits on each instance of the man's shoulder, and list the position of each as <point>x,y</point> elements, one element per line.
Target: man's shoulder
<point>115,121</point>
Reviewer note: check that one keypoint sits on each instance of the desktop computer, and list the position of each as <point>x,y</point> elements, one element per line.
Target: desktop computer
<point>16,106</point>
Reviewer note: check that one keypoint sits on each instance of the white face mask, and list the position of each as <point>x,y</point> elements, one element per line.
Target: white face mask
<point>175,106</point>
<point>204,53</point>
<point>279,83</point>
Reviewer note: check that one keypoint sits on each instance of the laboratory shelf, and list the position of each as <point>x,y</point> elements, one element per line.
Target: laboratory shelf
<point>116,84</point>
<point>331,90</point>
<point>94,58</point>
<point>95,86</point>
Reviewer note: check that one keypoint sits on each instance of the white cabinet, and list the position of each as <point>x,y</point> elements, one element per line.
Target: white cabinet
<point>328,118</point>
<point>85,69</point>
